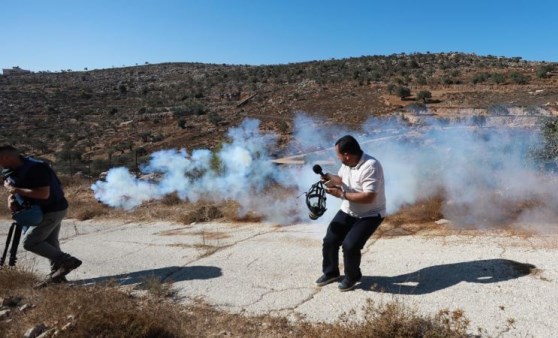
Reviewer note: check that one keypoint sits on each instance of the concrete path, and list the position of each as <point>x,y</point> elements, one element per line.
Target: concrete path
<point>261,269</point>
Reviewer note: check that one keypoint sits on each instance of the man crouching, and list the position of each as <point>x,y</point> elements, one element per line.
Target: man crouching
<point>360,186</point>
<point>33,183</point>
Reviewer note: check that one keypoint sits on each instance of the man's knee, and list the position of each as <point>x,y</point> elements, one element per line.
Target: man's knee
<point>32,238</point>
<point>331,241</point>
<point>28,243</point>
<point>351,247</point>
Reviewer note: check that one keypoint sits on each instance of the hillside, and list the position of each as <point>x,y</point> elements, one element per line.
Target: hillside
<point>90,120</point>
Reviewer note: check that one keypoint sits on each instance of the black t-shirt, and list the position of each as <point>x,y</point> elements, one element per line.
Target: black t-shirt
<point>35,174</point>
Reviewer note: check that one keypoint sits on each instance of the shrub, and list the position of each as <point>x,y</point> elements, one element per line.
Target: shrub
<point>544,70</point>
<point>549,149</point>
<point>518,78</point>
<point>480,78</point>
<point>122,88</point>
<point>424,95</point>
<point>498,78</point>
<point>447,80</point>
<point>478,120</point>
<point>498,110</point>
<point>417,108</point>
<point>98,166</point>
<point>403,92</point>
<point>214,118</point>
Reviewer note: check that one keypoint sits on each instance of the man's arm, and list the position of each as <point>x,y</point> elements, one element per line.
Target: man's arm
<point>357,197</point>
<point>367,196</point>
<point>40,193</point>
<point>37,183</point>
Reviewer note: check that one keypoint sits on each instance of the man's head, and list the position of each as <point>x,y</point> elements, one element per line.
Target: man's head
<point>348,150</point>
<point>9,157</point>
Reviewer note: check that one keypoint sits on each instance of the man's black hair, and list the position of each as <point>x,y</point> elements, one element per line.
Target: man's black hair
<point>348,144</point>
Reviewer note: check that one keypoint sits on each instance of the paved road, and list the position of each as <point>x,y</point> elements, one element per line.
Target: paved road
<point>258,269</point>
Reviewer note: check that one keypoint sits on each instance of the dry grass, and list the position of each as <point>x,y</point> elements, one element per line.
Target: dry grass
<point>414,219</point>
<point>420,218</point>
<point>158,288</point>
<point>424,211</point>
<point>105,311</point>
<point>394,319</point>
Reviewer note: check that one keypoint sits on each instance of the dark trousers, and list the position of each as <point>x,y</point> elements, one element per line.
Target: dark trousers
<point>42,239</point>
<point>351,233</point>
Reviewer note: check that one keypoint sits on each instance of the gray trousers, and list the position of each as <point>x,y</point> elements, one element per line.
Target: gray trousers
<point>43,238</point>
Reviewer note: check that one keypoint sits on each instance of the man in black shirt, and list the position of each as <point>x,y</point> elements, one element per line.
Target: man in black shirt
<point>32,182</point>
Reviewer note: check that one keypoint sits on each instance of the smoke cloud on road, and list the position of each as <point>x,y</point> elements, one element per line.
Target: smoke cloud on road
<point>483,173</point>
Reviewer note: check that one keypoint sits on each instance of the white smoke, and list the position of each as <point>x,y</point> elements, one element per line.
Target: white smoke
<point>485,174</point>
<point>241,171</point>
<point>481,171</point>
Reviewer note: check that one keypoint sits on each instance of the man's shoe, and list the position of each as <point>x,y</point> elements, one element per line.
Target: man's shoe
<point>66,266</point>
<point>324,280</point>
<point>59,280</point>
<point>49,281</point>
<point>347,284</point>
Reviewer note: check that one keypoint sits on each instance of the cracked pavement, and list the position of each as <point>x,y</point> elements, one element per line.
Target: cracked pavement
<point>265,269</point>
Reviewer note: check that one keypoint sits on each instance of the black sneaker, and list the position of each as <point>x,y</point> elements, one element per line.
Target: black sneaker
<point>66,266</point>
<point>324,280</point>
<point>60,280</point>
<point>347,284</point>
<point>49,281</point>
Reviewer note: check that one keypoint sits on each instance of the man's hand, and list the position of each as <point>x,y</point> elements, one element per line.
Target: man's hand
<point>332,181</point>
<point>9,186</point>
<point>12,204</point>
<point>335,191</point>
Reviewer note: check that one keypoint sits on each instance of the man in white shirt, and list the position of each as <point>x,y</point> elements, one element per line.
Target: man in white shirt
<point>360,184</point>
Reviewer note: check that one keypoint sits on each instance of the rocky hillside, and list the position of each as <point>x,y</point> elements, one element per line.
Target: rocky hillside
<point>89,120</point>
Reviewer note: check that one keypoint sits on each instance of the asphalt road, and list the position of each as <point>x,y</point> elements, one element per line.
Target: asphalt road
<point>496,279</point>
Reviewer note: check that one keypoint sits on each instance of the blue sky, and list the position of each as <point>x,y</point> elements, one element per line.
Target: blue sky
<point>74,34</point>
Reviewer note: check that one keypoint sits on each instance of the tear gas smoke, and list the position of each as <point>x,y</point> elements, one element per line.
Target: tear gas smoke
<point>481,171</point>
<point>240,171</point>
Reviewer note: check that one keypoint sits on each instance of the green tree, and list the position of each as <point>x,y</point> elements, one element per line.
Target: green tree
<point>403,92</point>
<point>424,95</point>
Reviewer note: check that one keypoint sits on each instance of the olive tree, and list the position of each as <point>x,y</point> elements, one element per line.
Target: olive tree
<point>424,95</point>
